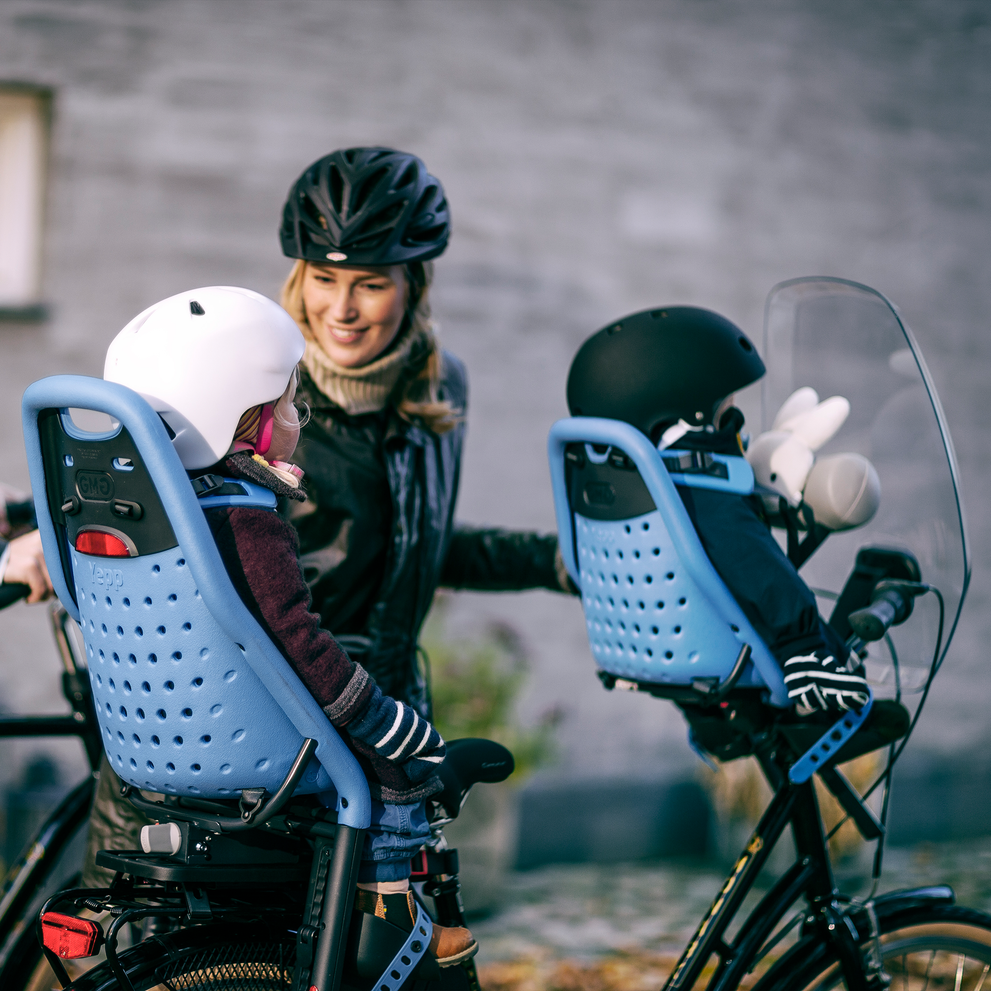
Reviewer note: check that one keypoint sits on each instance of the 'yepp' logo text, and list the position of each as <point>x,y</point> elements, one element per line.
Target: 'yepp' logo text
<point>108,577</point>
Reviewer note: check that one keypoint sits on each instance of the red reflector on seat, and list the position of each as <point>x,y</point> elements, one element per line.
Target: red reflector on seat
<point>101,544</point>
<point>69,937</point>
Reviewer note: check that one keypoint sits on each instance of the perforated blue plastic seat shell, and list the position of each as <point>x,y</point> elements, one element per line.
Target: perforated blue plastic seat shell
<point>647,619</point>
<point>699,626</point>
<point>207,625</point>
<point>178,703</point>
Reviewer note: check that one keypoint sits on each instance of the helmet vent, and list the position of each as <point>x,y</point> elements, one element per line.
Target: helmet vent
<point>336,184</point>
<point>367,190</point>
<point>196,309</point>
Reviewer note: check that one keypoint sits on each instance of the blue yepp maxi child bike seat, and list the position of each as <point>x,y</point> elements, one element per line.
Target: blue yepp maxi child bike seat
<point>655,608</point>
<point>192,696</point>
<point>656,611</point>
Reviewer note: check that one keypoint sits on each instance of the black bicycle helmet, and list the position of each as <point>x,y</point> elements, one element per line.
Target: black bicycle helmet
<point>656,367</point>
<point>366,206</point>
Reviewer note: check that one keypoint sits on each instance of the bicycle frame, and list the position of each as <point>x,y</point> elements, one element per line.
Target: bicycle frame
<point>32,871</point>
<point>827,920</point>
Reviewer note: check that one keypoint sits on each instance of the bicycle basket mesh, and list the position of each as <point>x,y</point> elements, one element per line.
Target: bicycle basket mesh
<point>245,966</point>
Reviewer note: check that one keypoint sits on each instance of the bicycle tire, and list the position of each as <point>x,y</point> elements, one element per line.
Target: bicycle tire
<point>932,948</point>
<point>220,957</point>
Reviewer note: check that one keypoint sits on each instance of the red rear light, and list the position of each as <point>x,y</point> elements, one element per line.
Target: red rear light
<point>101,544</point>
<point>69,937</point>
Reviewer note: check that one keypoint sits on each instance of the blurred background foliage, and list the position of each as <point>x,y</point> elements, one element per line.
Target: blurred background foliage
<point>476,685</point>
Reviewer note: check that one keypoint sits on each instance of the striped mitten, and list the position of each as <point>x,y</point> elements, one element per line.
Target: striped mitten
<point>817,683</point>
<point>400,734</point>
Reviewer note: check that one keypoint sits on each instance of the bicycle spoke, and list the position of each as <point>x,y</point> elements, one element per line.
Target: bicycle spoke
<point>932,960</point>
<point>984,974</point>
<point>961,958</point>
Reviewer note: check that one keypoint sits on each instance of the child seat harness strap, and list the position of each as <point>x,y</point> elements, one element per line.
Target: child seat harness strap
<point>692,469</point>
<point>215,491</point>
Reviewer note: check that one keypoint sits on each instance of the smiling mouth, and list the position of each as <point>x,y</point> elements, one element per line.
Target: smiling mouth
<point>345,335</point>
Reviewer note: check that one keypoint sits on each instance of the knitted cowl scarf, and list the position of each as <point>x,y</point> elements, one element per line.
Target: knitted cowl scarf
<point>369,388</point>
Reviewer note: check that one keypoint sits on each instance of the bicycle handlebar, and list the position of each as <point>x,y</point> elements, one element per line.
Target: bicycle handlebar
<point>12,592</point>
<point>891,604</point>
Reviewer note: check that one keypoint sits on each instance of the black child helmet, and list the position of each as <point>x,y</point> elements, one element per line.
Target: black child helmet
<point>366,206</point>
<point>656,367</point>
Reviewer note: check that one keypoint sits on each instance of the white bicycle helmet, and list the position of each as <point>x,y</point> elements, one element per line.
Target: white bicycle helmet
<point>203,357</point>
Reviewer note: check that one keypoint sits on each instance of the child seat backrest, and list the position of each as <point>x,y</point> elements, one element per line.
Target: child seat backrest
<point>655,608</point>
<point>191,695</point>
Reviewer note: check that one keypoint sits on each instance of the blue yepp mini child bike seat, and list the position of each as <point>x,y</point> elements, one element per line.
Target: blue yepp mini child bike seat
<point>192,697</point>
<point>656,611</point>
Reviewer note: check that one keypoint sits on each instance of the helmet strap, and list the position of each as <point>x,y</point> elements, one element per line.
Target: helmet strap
<point>254,432</point>
<point>264,439</point>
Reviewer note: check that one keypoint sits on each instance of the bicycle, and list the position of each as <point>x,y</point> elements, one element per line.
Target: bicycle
<point>46,862</point>
<point>289,925</point>
<point>31,881</point>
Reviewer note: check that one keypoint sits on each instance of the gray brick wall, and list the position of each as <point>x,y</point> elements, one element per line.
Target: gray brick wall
<point>599,157</point>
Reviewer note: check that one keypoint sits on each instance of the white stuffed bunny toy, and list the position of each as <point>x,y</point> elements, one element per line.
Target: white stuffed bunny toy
<point>842,490</point>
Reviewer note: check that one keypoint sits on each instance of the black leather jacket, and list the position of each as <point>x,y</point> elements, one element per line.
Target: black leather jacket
<point>377,533</point>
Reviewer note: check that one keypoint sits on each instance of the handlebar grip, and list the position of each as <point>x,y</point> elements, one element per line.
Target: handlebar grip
<point>10,593</point>
<point>21,513</point>
<point>890,607</point>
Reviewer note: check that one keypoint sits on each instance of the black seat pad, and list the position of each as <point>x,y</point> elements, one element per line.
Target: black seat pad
<point>469,761</point>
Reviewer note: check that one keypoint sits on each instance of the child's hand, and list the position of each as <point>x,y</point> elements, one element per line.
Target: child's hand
<point>422,767</point>
<point>400,734</point>
<point>817,683</point>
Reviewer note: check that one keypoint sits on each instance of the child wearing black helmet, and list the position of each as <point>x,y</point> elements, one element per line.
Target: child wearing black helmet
<point>672,374</point>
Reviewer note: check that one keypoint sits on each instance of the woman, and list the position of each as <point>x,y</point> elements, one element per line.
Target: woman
<point>382,448</point>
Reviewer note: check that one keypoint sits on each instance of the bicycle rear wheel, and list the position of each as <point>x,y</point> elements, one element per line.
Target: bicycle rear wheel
<point>929,950</point>
<point>204,958</point>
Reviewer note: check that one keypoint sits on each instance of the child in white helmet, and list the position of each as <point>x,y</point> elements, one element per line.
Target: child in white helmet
<point>219,366</point>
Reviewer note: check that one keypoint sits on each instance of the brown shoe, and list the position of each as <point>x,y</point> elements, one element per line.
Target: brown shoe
<point>450,945</point>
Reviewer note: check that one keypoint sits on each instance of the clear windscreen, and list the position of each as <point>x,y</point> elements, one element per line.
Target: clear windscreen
<point>844,339</point>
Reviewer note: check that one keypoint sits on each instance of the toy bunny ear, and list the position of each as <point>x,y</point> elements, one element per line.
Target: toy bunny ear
<point>781,462</point>
<point>817,425</point>
<point>800,401</point>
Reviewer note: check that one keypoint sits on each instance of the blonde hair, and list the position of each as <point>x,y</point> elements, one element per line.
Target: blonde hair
<point>416,396</point>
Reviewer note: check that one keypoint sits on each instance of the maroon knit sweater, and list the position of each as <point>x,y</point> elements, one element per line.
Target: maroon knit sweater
<point>260,553</point>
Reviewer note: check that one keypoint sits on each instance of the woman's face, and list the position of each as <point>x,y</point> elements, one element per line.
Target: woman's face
<point>354,313</point>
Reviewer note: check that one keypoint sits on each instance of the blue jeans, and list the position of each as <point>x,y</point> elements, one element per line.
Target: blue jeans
<point>395,834</point>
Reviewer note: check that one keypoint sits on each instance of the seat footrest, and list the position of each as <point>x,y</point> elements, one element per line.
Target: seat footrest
<point>824,751</point>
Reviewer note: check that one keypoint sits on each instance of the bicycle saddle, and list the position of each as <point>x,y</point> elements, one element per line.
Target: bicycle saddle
<point>468,762</point>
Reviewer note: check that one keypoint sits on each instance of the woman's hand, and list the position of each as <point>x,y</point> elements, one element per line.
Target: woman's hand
<point>26,565</point>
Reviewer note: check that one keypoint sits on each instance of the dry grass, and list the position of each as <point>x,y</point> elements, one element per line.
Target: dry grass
<point>740,793</point>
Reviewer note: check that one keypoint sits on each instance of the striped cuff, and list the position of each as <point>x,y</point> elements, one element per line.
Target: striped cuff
<point>340,709</point>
